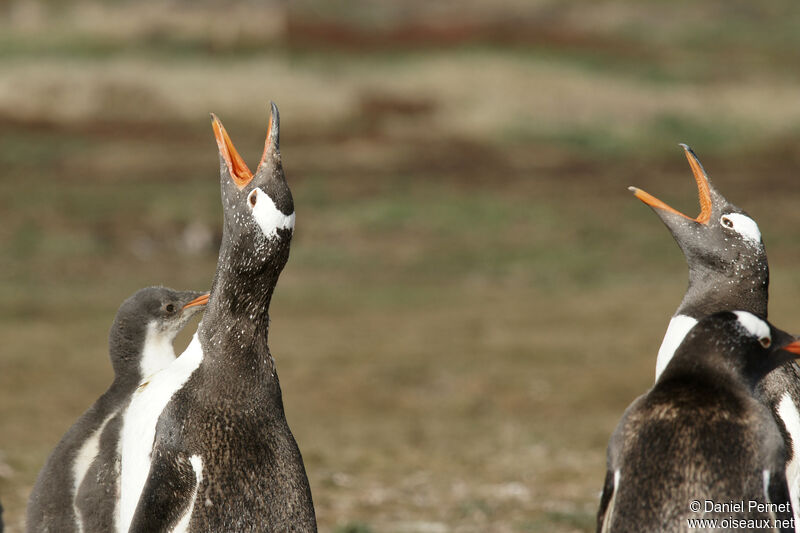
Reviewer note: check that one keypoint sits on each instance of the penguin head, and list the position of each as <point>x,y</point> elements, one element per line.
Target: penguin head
<point>258,208</point>
<point>722,238</point>
<point>150,317</point>
<point>744,343</point>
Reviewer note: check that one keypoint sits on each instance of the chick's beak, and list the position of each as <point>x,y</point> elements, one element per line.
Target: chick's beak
<point>200,300</point>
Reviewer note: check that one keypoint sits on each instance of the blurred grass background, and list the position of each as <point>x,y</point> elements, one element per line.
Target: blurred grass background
<point>473,296</point>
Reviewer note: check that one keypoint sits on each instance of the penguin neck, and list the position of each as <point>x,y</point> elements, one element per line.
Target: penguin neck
<point>125,347</point>
<point>746,288</point>
<point>157,352</point>
<point>713,368</point>
<point>119,392</point>
<point>235,327</point>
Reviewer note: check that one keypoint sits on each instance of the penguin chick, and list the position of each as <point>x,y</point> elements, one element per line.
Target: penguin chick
<point>76,490</point>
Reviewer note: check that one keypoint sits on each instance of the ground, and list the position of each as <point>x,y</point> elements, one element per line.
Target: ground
<point>473,295</point>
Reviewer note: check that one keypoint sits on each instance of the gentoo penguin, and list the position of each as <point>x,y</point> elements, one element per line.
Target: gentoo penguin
<point>726,257</point>
<point>728,269</point>
<point>699,445</point>
<point>140,344</point>
<point>206,445</point>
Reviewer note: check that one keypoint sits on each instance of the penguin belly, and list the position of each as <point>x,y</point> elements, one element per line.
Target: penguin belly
<point>139,427</point>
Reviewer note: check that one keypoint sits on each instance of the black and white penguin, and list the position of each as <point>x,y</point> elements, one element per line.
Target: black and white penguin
<point>701,435</point>
<point>727,261</point>
<point>206,445</point>
<point>76,489</point>
<point>728,269</point>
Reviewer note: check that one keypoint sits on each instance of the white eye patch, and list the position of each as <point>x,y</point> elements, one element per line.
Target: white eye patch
<point>743,225</point>
<point>755,327</point>
<point>268,217</point>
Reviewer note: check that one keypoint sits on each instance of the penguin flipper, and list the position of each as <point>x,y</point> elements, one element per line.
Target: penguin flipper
<point>778,492</point>
<point>608,493</point>
<point>613,463</point>
<point>95,498</point>
<point>167,500</point>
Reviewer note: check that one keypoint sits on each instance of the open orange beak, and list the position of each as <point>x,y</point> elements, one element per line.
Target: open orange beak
<point>703,191</point>
<point>240,174</point>
<point>793,347</point>
<point>200,300</point>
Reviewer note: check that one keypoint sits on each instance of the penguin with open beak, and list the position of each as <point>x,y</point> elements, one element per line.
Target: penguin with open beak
<point>209,447</point>
<point>728,269</point>
<point>725,254</point>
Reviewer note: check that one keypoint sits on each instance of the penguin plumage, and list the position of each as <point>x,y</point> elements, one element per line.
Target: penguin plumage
<point>724,252</point>
<point>76,490</point>
<point>728,269</point>
<point>223,457</point>
<point>700,434</point>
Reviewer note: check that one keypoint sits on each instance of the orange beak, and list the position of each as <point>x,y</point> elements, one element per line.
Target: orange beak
<point>793,347</point>
<point>200,300</point>
<point>240,174</point>
<point>703,191</point>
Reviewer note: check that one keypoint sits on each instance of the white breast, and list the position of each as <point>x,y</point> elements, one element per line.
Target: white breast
<point>678,327</point>
<point>158,352</point>
<point>139,427</point>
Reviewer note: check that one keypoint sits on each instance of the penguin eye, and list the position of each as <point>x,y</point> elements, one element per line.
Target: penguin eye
<point>765,342</point>
<point>253,198</point>
<point>169,308</point>
<point>727,222</point>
